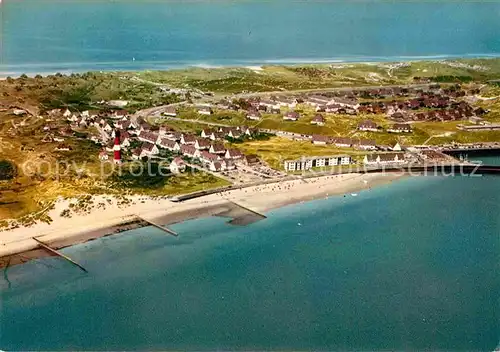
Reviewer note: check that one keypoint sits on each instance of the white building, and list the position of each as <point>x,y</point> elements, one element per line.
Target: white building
<point>307,163</point>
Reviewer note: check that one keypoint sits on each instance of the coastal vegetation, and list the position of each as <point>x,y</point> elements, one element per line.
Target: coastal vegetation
<point>29,195</point>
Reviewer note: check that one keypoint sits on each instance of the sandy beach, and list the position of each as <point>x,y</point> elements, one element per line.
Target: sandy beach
<point>115,217</point>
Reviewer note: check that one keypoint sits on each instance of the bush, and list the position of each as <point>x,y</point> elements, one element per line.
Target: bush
<point>7,170</point>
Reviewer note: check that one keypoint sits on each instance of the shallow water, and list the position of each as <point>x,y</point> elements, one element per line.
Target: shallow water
<point>411,265</point>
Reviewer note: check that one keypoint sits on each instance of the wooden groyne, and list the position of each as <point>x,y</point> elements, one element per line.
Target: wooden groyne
<point>163,228</point>
<point>59,254</point>
<point>247,209</point>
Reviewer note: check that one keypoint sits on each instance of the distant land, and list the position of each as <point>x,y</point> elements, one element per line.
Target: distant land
<point>48,36</point>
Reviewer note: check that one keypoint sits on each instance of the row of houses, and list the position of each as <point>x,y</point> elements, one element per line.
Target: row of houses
<point>344,142</point>
<point>205,148</point>
<point>451,114</point>
<point>370,126</point>
<point>384,159</point>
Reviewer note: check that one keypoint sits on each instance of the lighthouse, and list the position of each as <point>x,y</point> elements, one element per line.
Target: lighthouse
<point>116,148</point>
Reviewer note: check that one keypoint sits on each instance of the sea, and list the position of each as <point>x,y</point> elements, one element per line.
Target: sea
<point>46,36</point>
<point>408,266</point>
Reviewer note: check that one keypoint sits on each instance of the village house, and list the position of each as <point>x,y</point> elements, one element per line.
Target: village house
<point>19,112</point>
<point>149,137</point>
<point>397,148</point>
<point>173,136</point>
<point>319,120</point>
<point>368,126</point>
<point>253,115</point>
<point>205,110</point>
<point>188,139</point>
<point>367,144</point>
<point>400,128</point>
<point>332,108</point>
<point>234,133</point>
<point>224,104</point>
<point>208,157</point>
<point>251,160</point>
<point>90,113</point>
<point>63,148</point>
<point>217,135</point>
<point>165,130</point>
<point>107,127</point>
<point>67,113</point>
<point>177,166</point>
<point>190,151</point>
<point>48,138</point>
<point>286,102</point>
<point>206,132</point>
<point>136,154</point>
<point>103,155</point>
<point>269,105</point>
<point>342,142</point>
<point>384,159</point>
<point>149,149</point>
<point>119,114</point>
<point>215,166</point>
<point>345,103</point>
<point>124,139</point>
<point>202,144</point>
<point>317,100</point>
<point>170,111</point>
<point>144,126</point>
<point>169,144</point>
<point>291,116</point>
<point>217,148</point>
<point>233,154</point>
<point>319,139</point>
<point>122,124</point>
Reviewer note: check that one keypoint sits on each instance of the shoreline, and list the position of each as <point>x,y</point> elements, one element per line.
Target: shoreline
<point>67,68</point>
<point>17,245</point>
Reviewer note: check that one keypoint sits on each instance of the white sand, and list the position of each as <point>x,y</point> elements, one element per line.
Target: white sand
<point>258,198</point>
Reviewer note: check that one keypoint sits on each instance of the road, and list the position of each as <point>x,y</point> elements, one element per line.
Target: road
<point>157,110</point>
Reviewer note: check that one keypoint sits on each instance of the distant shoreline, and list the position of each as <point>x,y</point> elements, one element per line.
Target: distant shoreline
<point>32,69</point>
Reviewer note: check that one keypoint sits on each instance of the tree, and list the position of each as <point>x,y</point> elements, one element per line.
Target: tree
<point>23,76</point>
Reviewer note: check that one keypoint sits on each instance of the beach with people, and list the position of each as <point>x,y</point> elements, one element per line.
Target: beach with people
<point>108,215</point>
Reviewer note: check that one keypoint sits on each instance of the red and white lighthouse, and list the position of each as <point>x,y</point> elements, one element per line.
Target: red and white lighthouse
<point>117,151</point>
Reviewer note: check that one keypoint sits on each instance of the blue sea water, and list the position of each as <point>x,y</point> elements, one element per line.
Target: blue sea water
<point>80,35</point>
<point>413,265</point>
